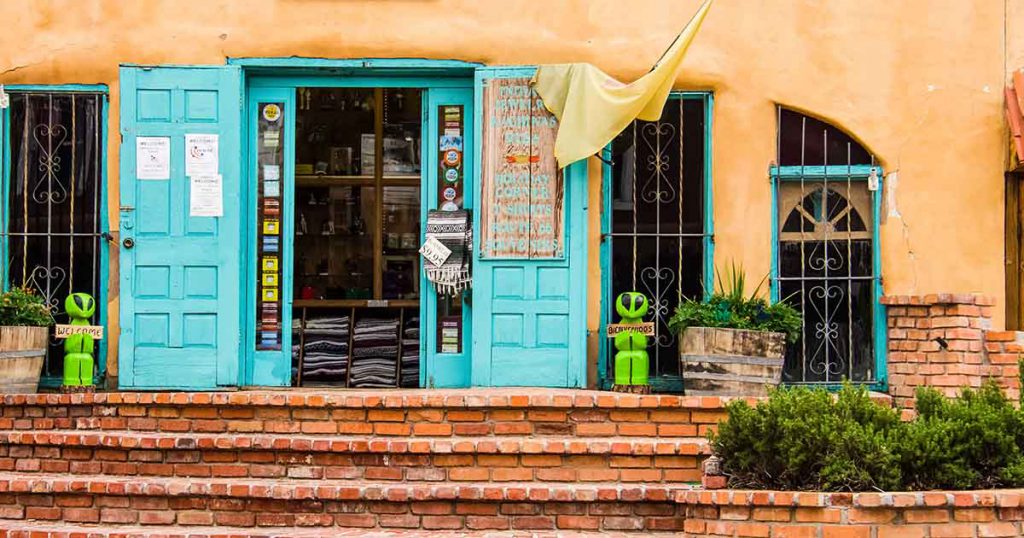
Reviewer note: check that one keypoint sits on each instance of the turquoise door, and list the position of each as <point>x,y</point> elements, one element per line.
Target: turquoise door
<point>179,273</point>
<point>446,342</point>
<point>529,314</point>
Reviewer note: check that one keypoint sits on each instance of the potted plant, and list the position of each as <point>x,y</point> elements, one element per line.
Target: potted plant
<point>733,343</point>
<point>24,331</point>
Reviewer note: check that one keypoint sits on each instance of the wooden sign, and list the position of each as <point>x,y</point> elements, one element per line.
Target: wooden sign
<point>523,190</point>
<point>64,331</point>
<point>646,328</point>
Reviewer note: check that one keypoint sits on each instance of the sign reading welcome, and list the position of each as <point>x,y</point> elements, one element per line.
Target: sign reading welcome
<point>523,191</point>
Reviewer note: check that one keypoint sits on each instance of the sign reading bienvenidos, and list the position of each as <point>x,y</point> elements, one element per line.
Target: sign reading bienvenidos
<point>646,328</point>
<point>523,190</point>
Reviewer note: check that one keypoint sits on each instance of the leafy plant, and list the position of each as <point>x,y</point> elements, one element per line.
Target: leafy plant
<point>21,307</point>
<point>801,438</point>
<point>730,307</point>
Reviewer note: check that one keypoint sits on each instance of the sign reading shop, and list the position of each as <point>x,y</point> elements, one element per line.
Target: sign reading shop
<point>522,211</point>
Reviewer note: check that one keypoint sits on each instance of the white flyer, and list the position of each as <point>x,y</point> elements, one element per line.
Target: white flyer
<point>201,154</point>
<point>435,252</point>
<point>271,172</point>
<point>206,196</point>
<point>153,157</point>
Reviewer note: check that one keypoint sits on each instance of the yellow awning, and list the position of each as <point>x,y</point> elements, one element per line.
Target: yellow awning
<point>593,108</point>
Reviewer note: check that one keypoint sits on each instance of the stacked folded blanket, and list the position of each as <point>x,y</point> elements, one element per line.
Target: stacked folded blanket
<point>326,353</point>
<point>411,353</point>
<point>375,350</point>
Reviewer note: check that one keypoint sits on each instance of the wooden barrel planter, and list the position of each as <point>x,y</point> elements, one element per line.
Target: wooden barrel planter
<point>22,351</point>
<point>730,362</point>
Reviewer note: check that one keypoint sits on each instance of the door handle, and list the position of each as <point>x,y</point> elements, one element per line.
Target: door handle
<point>128,242</point>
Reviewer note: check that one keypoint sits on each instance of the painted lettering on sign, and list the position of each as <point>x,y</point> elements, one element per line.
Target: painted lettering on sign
<point>643,328</point>
<point>64,331</point>
<point>523,208</point>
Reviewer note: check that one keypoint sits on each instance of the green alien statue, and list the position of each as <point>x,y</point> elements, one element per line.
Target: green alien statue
<point>631,361</point>
<point>78,348</point>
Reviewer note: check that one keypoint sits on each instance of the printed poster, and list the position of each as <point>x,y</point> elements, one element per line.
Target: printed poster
<point>153,157</point>
<point>206,196</point>
<point>201,155</point>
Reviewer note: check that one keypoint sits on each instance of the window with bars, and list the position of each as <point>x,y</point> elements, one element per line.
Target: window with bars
<point>826,251</point>
<point>658,239</point>
<point>51,215</point>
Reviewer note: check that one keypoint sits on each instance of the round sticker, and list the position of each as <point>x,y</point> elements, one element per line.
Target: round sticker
<point>451,175</point>
<point>452,157</point>
<point>449,206</point>
<point>449,193</point>
<point>271,112</point>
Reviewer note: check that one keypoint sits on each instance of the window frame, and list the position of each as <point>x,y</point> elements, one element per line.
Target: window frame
<point>103,345</point>
<point>858,173</point>
<point>658,384</point>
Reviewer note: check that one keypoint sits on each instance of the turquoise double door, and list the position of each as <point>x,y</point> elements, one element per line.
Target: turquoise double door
<point>187,272</point>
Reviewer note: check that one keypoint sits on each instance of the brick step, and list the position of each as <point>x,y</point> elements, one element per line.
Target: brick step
<point>348,504</point>
<point>412,413</point>
<point>505,459</point>
<point>24,529</point>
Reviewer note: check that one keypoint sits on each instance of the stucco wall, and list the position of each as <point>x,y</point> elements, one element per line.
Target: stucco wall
<point>918,81</point>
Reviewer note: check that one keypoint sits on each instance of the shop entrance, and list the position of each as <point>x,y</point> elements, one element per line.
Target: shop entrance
<point>343,175</point>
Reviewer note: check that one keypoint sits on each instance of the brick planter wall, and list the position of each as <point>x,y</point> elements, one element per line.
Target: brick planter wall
<point>945,341</point>
<point>995,513</point>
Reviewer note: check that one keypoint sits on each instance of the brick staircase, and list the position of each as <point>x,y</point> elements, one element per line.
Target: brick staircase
<point>303,463</point>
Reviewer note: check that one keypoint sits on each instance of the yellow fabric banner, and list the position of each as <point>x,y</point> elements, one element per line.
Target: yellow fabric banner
<point>593,108</point>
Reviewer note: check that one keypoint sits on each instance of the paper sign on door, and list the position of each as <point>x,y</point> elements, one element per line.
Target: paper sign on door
<point>153,157</point>
<point>201,154</point>
<point>435,252</point>
<point>206,196</point>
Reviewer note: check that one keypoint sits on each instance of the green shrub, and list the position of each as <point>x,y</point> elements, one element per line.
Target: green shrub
<point>21,306</point>
<point>730,307</point>
<point>802,438</point>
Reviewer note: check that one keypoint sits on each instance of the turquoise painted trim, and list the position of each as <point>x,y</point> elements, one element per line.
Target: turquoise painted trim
<point>860,171</point>
<point>268,368</point>
<point>358,80</point>
<point>660,384</point>
<point>350,63</point>
<point>709,205</point>
<point>104,247</point>
<point>444,369</point>
<point>777,174</point>
<point>63,88</point>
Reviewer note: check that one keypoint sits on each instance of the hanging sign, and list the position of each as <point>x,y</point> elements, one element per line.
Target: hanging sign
<point>206,196</point>
<point>435,252</point>
<point>153,157</point>
<point>645,328</point>
<point>64,331</point>
<point>201,154</point>
<point>522,211</point>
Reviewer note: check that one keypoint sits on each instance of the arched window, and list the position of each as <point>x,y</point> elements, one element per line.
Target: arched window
<point>826,250</point>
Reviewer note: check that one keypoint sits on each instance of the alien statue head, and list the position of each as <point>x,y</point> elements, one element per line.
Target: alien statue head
<point>80,306</point>
<point>631,305</point>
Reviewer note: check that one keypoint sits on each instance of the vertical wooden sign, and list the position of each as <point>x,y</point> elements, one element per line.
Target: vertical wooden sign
<point>523,190</point>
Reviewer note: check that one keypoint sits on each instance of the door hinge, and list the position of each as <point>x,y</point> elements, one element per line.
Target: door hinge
<point>126,208</point>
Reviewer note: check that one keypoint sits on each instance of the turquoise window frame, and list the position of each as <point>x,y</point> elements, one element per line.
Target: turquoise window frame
<point>5,182</point>
<point>708,270</point>
<point>859,173</point>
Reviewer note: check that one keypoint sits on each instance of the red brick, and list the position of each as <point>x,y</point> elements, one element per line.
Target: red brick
<point>487,523</point>
<point>795,531</point>
<point>992,530</point>
<point>953,530</point>
<point>441,522</point>
<point>833,531</point>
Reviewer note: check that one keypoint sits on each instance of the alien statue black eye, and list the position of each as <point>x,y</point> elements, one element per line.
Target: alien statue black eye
<point>625,301</point>
<point>78,301</point>
<point>637,301</point>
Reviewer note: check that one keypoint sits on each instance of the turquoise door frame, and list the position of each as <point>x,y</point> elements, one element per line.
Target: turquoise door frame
<point>272,368</point>
<point>530,314</point>
<point>104,248</point>
<point>444,369</point>
<point>180,291</point>
<point>268,368</point>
